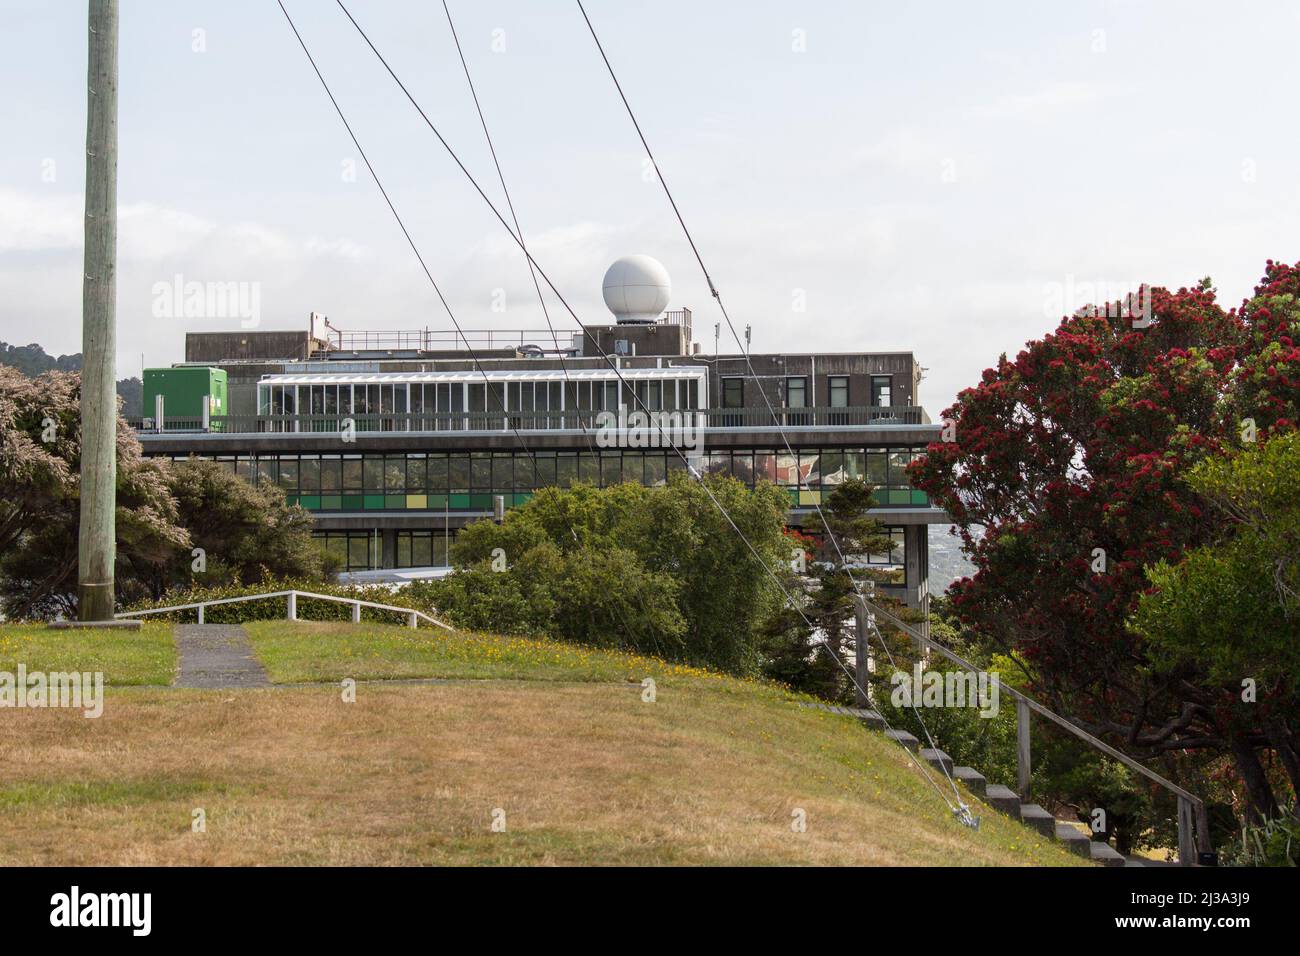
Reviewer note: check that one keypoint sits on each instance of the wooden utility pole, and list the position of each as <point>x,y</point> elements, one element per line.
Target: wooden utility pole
<point>862,651</point>
<point>97,544</point>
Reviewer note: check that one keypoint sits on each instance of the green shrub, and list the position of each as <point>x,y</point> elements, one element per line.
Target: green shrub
<point>1272,843</point>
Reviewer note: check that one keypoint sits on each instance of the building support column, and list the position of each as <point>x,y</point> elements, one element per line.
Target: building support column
<point>916,563</point>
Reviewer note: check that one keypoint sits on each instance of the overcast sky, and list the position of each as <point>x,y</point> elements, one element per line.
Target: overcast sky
<point>933,177</point>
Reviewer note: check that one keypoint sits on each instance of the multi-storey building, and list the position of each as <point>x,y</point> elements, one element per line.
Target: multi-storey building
<point>394,440</point>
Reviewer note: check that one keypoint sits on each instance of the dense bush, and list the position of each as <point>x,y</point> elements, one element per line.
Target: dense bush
<point>164,511</point>
<point>654,570</point>
<point>1274,842</point>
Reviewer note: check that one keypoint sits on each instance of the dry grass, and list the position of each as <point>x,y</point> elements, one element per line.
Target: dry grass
<point>588,774</point>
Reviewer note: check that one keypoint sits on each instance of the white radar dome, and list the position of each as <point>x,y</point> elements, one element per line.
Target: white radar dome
<point>637,289</point>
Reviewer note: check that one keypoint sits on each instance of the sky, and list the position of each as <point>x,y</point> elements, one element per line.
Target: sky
<point>942,178</point>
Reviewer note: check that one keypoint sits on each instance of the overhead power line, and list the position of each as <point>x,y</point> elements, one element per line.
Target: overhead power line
<point>564,302</point>
<point>744,351</point>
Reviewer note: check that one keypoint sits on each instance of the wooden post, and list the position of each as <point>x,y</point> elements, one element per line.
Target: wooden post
<point>1202,821</point>
<point>413,621</point>
<point>97,534</point>
<point>356,612</point>
<point>1023,766</point>
<point>861,652</point>
<point>1186,842</point>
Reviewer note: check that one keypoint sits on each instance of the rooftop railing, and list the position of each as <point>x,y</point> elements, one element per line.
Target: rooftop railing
<point>753,419</point>
<point>446,340</point>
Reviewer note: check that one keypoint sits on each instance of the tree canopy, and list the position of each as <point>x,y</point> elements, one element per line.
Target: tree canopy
<point>1067,477</point>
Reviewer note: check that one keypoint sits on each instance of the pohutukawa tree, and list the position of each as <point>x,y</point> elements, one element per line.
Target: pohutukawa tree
<point>1066,479</point>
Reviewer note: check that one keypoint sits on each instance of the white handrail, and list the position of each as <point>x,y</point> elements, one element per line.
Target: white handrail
<point>292,596</point>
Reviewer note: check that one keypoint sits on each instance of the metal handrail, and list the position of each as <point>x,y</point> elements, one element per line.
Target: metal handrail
<point>357,604</point>
<point>1187,801</point>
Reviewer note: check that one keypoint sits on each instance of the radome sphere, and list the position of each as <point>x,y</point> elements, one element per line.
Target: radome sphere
<point>637,289</point>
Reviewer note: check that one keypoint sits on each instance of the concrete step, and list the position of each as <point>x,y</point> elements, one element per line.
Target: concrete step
<point>1076,841</point>
<point>972,778</point>
<point>904,738</point>
<point>1002,799</point>
<point>1031,814</point>
<point>1105,854</point>
<point>937,759</point>
<point>869,717</point>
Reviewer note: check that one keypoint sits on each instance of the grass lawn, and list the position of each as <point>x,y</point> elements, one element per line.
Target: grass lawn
<point>146,656</point>
<point>585,772</point>
<point>310,651</point>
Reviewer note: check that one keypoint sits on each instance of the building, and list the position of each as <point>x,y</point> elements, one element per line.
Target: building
<point>394,440</point>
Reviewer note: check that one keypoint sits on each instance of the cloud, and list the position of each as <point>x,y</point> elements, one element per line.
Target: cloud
<point>1052,99</point>
<point>30,222</point>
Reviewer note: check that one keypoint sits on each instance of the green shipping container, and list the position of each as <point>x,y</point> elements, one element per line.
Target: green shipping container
<point>185,391</point>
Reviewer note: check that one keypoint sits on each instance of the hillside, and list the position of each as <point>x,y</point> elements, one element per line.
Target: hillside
<point>32,360</point>
<point>557,738</point>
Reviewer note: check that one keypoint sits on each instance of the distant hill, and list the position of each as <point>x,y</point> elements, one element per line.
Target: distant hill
<point>33,360</point>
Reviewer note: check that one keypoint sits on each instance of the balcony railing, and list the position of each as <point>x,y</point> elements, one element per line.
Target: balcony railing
<point>446,340</point>
<point>819,417</point>
<point>532,421</point>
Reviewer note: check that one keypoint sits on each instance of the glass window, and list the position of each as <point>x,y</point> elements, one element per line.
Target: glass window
<point>289,475</point>
<point>733,393</point>
<point>855,465</point>
<point>764,466</point>
<point>656,468</point>
<point>718,463</point>
<point>416,475</point>
<point>395,475</point>
<point>480,471</point>
<point>331,476</point>
<point>796,392</point>
<point>839,391</point>
<point>352,474</point>
<point>742,466</point>
<point>437,474</point>
<point>899,458</point>
<point>545,471</point>
<point>877,468</point>
<point>611,467</point>
<point>810,467</point>
<point>459,476</point>
<point>309,475</point>
<point>503,472</point>
<point>787,469</point>
<point>373,475</point>
<point>566,469</point>
<point>832,465</point>
<point>881,391</point>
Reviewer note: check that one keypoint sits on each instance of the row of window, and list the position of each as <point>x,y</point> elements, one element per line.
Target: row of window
<point>796,391</point>
<point>466,481</point>
<point>663,394</point>
<point>364,551</point>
